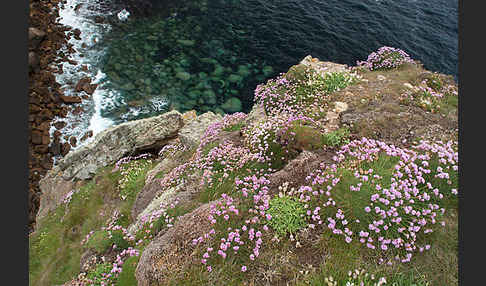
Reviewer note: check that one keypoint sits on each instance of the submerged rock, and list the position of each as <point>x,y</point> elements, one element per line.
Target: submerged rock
<point>232,104</point>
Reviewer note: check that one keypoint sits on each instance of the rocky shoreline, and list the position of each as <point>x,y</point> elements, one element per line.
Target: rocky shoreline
<point>48,50</point>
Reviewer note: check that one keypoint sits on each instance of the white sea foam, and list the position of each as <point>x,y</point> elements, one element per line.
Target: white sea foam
<point>123,15</point>
<point>79,14</point>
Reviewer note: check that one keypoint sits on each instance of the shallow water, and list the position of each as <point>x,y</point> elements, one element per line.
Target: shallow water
<point>280,32</point>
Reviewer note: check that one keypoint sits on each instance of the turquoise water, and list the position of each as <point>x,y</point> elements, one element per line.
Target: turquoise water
<point>212,55</point>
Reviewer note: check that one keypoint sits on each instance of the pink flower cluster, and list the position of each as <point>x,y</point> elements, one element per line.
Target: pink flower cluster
<point>67,198</point>
<point>249,235</point>
<point>237,155</point>
<point>399,210</point>
<point>117,264</point>
<point>385,58</point>
<point>280,96</point>
<point>215,129</point>
<point>126,160</point>
<point>221,161</point>
<point>171,149</point>
<point>113,226</point>
<point>146,230</point>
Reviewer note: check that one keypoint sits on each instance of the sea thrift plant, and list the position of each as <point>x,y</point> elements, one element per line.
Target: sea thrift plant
<point>215,129</point>
<point>303,95</point>
<point>385,58</point>
<point>106,273</point>
<point>201,161</point>
<point>247,236</point>
<point>170,150</point>
<point>152,223</point>
<point>429,95</point>
<point>67,198</point>
<point>271,139</point>
<point>385,197</point>
<point>130,168</point>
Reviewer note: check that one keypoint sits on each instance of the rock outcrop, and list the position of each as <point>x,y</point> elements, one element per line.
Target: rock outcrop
<point>107,147</point>
<point>172,249</point>
<point>112,144</point>
<point>191,134</point>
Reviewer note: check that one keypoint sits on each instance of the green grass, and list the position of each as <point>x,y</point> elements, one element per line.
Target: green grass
<point>132,187</point>
<point>55,249</point>
<point>127,276</point>
<point>99,241</point>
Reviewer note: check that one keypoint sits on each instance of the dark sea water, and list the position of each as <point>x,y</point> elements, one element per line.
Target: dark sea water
<point>344,31</point>
<point>140,62</point>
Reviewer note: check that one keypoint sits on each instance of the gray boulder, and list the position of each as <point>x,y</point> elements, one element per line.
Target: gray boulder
<point>112,144</point>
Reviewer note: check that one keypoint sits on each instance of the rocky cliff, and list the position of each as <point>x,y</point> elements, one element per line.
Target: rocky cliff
<point>336,170</point>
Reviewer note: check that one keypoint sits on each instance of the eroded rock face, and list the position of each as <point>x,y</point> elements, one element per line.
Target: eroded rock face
<point>108,147</point>
<point>172,250</point>
<point>191,134</point>
<point>153,197</point>
<point>115,142</point>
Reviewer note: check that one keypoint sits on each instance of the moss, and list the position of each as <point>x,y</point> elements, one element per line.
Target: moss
<point>306,137</point>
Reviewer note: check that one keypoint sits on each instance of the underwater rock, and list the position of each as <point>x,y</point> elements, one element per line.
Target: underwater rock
<point>232,104</point>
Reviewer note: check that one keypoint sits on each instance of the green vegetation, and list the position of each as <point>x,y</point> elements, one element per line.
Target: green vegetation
<point>99,275</point>
<point>287,215</point>
<point>55,249</point>
<point>337,138</point>
<point>337,80</point>
<point>127,276</point>
<point>348,214</point>
<point>100,241</point>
